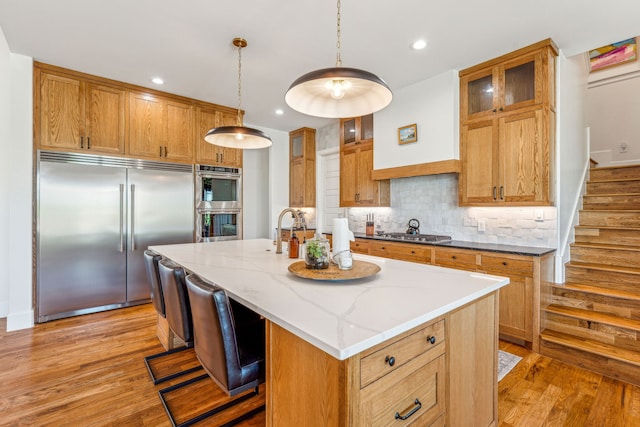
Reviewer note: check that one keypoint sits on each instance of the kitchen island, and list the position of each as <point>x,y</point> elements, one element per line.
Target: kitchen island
<point>412,341</point>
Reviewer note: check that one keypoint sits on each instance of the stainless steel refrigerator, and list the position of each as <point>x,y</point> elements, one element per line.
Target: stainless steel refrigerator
<point>95,216</point>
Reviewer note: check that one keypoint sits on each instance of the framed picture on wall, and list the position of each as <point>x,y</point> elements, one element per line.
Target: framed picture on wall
<point>613,54</point>
<point>407,134</point>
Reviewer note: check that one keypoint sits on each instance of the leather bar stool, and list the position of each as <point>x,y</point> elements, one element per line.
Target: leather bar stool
<point>169,293</point>
<point>231,350</point>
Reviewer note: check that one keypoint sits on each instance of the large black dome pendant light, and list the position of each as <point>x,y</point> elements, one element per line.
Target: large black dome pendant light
<point>338,92</point>
<point>238,136</point>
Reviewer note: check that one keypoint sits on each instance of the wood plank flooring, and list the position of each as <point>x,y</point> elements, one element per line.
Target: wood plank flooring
<point>89,371</point>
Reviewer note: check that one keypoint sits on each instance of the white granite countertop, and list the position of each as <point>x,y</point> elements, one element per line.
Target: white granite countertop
<point>342,318</point>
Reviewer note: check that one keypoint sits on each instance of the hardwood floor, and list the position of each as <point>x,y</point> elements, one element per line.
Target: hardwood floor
<point>89,371</point>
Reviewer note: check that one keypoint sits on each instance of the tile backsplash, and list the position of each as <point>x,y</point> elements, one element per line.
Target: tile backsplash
<point>433,200</point>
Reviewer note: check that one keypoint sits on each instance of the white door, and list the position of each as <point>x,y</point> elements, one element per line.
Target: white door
<point>329,190</point>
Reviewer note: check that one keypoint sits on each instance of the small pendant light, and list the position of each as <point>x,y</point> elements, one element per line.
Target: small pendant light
<point>338,92</point>
<point>238,136</point>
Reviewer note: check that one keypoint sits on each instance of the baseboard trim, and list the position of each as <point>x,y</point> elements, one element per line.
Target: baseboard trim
<point>17,321</point>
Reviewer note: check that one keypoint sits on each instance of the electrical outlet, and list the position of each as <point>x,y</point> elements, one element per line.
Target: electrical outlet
<point>482,225</point>
<point>624,147</point>
<point>539,215</point>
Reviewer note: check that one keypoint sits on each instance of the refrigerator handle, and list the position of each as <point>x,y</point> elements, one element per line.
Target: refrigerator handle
<point>133,217</point>
<point>121,217</point>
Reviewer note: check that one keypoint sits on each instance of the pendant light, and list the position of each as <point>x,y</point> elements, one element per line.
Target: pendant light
<point>238,136</point>
<point>338,92</point>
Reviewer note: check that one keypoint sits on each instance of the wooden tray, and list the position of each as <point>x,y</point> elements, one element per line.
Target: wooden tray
<point>359,270</point>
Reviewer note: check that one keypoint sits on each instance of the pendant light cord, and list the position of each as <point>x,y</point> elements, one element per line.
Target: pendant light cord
<point>338,59</point>
<point>239,83</point>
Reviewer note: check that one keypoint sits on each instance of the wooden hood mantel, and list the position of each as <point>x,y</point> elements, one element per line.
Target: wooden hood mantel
<point>431,168</point>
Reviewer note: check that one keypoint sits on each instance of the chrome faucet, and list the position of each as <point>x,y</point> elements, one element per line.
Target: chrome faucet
<point>296,218</point>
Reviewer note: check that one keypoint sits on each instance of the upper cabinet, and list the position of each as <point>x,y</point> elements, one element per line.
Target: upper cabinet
<point>507,129</point>
<point>209,154</point>
<point>79,112</point>
<point>302,168</point>
<point>357,187</point>
<point>77,115</point>
<point>160,128</point>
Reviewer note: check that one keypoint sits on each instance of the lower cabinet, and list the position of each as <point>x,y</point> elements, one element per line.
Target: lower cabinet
<point>519,311</point>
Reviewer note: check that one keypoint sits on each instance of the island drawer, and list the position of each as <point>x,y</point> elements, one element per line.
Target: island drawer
<point>393,356</point>
<point>415,393</point>
<point>401,251</point>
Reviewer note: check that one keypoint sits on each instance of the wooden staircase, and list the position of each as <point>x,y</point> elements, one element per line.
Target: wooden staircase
<point>593,319</point>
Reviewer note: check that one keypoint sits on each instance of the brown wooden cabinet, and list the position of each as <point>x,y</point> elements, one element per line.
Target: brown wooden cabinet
<point>507,129</point>
<point>160,128</point>
<point>357,187</point>
<point>302,168</point>
<point>78,112</point>
<point>210,154</point>
<point>519,310</point>
<point>76,115</point>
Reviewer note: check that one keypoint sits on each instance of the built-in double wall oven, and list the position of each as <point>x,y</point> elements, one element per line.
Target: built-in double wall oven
<point>218,203</point>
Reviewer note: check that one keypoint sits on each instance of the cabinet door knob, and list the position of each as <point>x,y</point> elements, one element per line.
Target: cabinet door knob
<point>390,360</point>
<point>431,339</point>
<point>504,263</point>
<point>501,109</point>
<point>494,110</point>
<point>413,252</point>
<point>453,257</point>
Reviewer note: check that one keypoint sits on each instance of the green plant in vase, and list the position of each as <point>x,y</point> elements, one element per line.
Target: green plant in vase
<point>317,255</point>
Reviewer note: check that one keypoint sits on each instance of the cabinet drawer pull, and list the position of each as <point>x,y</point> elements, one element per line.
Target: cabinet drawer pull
<point>82,142</point>
<point>453,257</point>
<point>501,192</point>
<point>431,339</point>
<point>160,151</point>
<point>390,360</point>
<point>504,263</point>
<point>413,252</point>
<point>495,195</point>
<point>383,248</point>
<point>415,409</point>
<point>88,143</point>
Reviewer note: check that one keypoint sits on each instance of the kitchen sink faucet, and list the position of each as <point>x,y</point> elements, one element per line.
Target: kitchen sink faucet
<point>296,223</point>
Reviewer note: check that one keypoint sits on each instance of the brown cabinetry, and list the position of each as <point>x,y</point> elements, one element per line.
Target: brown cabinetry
<point>76,115</point>
<point>357,188</point>
<point>160,128</point>
<point>401,251</point>
<point>519,313</point>
<point>507,128</point>
<point>302,168</point>
<point>210,154</point>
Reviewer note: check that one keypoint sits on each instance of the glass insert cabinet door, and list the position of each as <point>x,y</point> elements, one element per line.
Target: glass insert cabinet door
<point>501,88</point>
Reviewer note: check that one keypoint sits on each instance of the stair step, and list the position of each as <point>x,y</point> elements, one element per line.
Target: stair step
<point>618,255</point>
<point>611,218</point>
<point>614,172</point>
<point>618,186</point>
<point>605,234</point>
<point>599,290</point>
<point>608,276</point>
<point>626,201</point>
<point>595,316</point>
<point>601,349</point>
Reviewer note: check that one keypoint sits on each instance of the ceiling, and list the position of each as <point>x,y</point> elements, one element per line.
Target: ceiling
<point>188,43</point>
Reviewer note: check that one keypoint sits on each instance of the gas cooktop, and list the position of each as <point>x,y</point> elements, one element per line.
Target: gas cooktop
<point>415,237</point>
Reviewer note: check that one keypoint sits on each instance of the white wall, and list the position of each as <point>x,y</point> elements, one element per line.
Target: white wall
<point>433,105</point>
<point>20,153</point>
<point>572,151</point>
<point>5,166</point>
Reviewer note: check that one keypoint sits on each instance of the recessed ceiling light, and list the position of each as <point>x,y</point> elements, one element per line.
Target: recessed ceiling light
<point>279,112</point>
<point>157,80</point>
<point>418,44</point>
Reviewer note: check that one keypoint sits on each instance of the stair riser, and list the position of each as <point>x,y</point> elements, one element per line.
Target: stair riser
<point>606,279</point>
<point>630,172</point>
<point>611,368</point>
<point>611,219</point>
<point>620,258</point>
<point>621,307</point>
<point>603,235</point>
<point>614,187</point>
<point>631,202</point>
<point>592,331</point>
